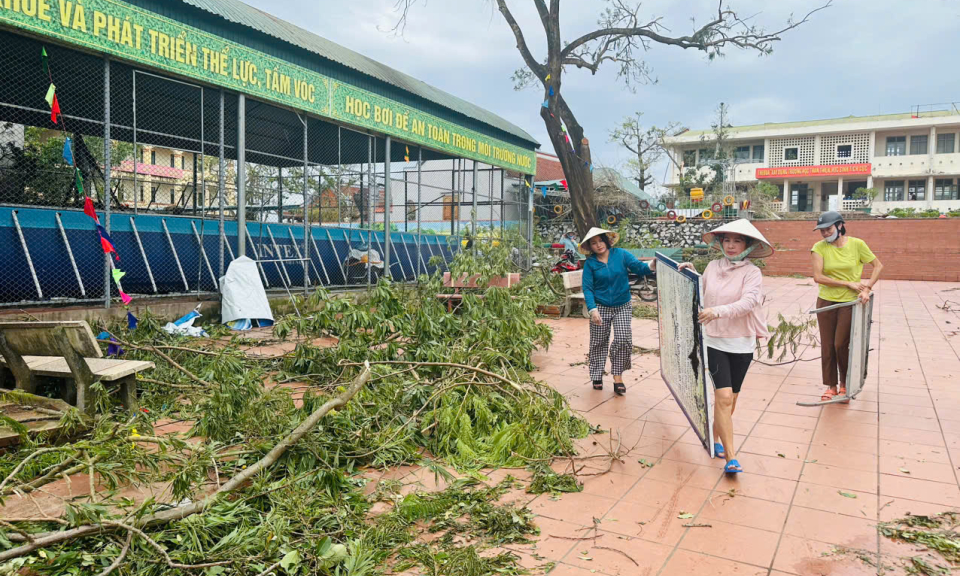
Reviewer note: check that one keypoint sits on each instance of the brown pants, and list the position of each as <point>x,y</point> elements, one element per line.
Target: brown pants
<point>834,342</point>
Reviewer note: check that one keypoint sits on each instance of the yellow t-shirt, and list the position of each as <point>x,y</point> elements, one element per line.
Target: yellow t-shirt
<point>844,264</point>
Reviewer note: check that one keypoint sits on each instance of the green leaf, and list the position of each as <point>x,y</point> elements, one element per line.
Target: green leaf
<point>846,494</point>
<point>290,560</point>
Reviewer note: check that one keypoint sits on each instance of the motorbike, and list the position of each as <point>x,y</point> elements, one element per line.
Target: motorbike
<point>358,260</point>
<point>568,262</point>
<point>643,287</point>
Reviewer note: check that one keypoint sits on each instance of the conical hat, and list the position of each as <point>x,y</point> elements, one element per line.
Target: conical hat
<point>585,243</point>
<point>743,228</point>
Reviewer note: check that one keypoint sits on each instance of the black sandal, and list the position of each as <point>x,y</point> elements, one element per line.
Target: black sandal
<point>598,384</point>
<point>619,388</point>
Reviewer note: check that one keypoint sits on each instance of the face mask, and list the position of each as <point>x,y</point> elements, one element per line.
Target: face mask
<point>833,237</point>
<point>739,257</point>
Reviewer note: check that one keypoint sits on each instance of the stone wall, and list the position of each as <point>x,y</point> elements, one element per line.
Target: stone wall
<point>666,232</point>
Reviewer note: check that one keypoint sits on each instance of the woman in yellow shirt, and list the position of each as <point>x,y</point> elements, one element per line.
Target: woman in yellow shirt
<point>838,262</point>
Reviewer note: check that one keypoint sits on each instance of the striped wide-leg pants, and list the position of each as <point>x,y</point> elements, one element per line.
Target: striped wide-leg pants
<point>618,318</point>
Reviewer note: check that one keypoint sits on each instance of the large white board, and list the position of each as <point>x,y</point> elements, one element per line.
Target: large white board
<point>683,356</point>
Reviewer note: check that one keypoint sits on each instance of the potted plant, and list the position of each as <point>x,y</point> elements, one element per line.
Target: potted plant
<point>867,195</point>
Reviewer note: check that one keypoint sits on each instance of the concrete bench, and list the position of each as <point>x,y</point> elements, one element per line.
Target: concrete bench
<point>472,282</point>
<point>573,292</point>
<point>28,352</point>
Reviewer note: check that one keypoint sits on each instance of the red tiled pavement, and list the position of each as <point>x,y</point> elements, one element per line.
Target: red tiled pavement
<point>896,449</point>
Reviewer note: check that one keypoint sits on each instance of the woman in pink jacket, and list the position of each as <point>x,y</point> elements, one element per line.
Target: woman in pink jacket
<point>733,319</point>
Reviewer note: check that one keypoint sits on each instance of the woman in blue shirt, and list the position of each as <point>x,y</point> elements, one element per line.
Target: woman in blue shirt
<point>606,292</point>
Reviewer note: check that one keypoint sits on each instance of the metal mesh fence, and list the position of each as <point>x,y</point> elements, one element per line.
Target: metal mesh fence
<point>191,170</point>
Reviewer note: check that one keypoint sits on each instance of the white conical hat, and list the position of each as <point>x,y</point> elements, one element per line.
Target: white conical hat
<point>585,243</point>
<point>743,228</point>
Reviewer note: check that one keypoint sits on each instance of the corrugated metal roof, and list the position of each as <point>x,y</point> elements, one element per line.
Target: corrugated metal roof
<point>245,15</point>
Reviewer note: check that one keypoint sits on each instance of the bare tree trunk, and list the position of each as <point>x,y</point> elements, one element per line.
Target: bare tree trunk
<point>576,162</point>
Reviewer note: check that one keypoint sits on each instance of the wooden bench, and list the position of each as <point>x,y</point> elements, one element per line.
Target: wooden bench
<point>472,283</point>
<point>28,351</point>
<point>573,292</point>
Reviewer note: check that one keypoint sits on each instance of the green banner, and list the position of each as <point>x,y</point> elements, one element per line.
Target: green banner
<point>120,29</point>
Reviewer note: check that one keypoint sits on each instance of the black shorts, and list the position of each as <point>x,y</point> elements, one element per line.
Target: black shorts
<point>728,369</point>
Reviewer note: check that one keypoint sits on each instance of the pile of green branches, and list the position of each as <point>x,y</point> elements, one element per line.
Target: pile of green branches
<point>455,386</point>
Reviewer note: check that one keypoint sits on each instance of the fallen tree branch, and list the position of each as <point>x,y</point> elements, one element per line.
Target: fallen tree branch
<point>447,364</point>
<point>119,559</point>
<point>170,360</point>
<point>46,539</point>
<point>618,552</point>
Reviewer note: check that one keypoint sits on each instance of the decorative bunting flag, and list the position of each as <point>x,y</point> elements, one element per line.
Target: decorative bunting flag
<point>126,299</point>
<point>526,183</point>
<point>563,128</point>
<point>564,184</point>
<point>544,191</point>
<point>107,243</point>
<point>551,90</point>
<point>117,275</point>
<point>68,150</point>
<point>548,77</point>
<point>51,92</point>
<point>54,109</point>
<point>43,61</point>
<point>546,104</point>
<point>131,321</point>
<point>78,179</point>
<point>591,167</point>
<point>406,157</point>
<point>89,210</point>
<point>567,137</point>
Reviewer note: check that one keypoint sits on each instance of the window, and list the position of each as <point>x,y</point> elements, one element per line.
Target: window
<point>741,153</point>
<point>893,191</point>
<point>172,158</point>
<point>411,210</point>
<point>945,143</point>
<point>758,153</point>
<point>917,190</point>
<point>944,189</point>
<point>689,157</point>
<point>896,145</point>
<point>153,157</point>
<point>153,192</point>
<point>171,188</point>
<point>844,150</point>
<point>182,162</point>
<point>918,145</point>
<point>142,186</point>
<point>704,156</point>
<point>792,153</point>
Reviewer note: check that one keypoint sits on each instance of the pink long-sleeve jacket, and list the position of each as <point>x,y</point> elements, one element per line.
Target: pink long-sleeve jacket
<point>735,290</point>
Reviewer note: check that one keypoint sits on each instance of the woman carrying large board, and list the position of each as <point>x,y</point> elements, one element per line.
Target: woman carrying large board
<point>733,319</point>
<point>838,262</point>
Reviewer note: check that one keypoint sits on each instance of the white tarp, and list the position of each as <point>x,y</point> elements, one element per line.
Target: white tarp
<point>683,358</point>
<point>242,293</point>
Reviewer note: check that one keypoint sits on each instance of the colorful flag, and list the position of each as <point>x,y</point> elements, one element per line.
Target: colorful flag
<point>546,104</point>
<point>551,90</point>
<point>126,299</point>
<point>107,243</point>
<point>78,178</point>
<point>51,92</point>
<point>564,184</point>
<point>68,150</point>
<point>548,77</point>
<point>117,275</point>
<point>406,157</point>
<point>43,61</point>
<point>54,109</point>
<point>544,191</point>
<point>131,321</point>
<point>89,210</point>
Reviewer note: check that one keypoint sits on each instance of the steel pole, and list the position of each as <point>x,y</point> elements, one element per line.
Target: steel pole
<point>106,175</point>
<point>473,215</point>
<point>222,185</point>
<point>241,175</point>
<point>387,208</point>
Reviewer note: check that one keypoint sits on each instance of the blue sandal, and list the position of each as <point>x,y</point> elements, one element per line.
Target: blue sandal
<point>733,467</point>
<point>718,450</point>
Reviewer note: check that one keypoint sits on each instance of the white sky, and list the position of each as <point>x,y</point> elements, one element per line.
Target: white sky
<point>857,57</point>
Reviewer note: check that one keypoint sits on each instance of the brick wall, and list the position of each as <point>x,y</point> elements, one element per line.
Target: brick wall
<point>921,249</point>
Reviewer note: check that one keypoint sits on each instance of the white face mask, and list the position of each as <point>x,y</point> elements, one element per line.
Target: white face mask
<point>833,237</point>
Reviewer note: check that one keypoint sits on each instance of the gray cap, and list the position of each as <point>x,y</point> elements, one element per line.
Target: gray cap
<point>828,219</point>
